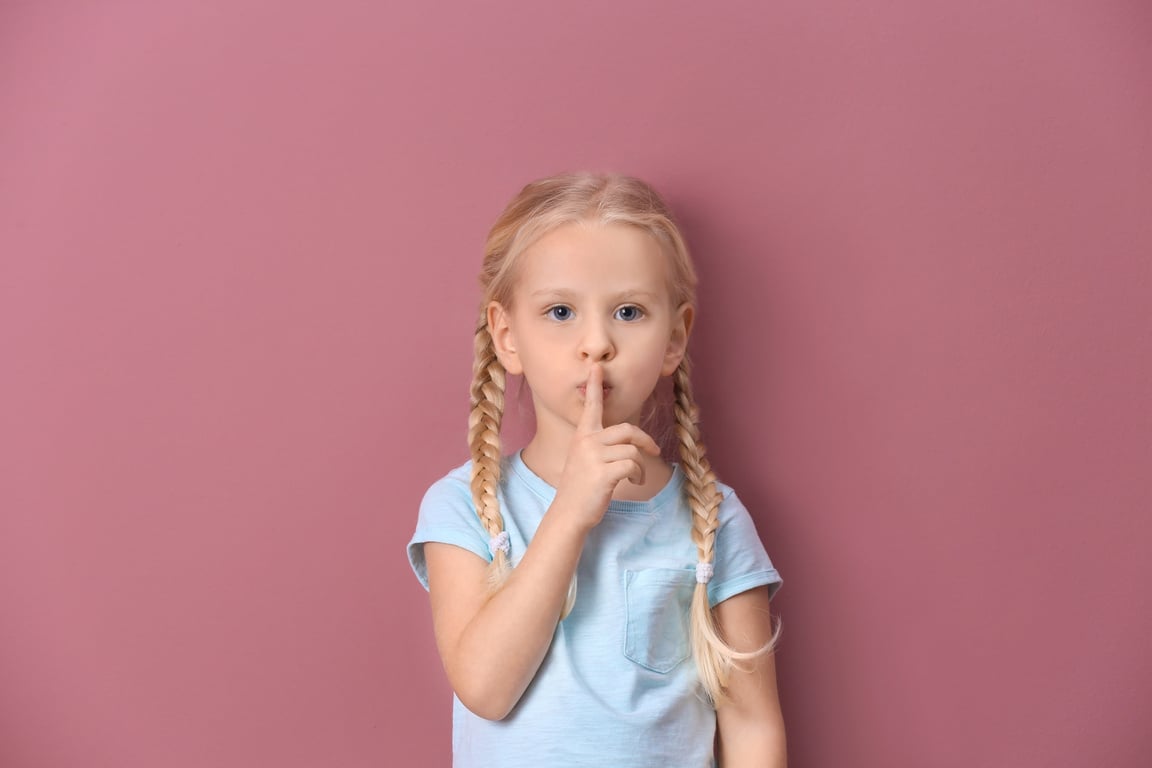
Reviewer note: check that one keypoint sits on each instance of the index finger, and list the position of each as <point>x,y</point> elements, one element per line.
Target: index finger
<point>592,419</point>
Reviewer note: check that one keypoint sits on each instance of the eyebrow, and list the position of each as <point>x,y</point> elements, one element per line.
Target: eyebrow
<point>563,293</point>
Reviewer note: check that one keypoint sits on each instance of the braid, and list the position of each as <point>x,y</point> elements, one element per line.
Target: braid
<point>488,379</point>
<point>703,495</point>
<point>714,657</point>
<point>487,397</point>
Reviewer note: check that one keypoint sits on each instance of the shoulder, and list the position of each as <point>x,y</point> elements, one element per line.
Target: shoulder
<point>447,515</point>
<point>450,487</point>
<point>742,562</point>
<point>732,509</point>
<point>455,487</point>
<point>732,514</point>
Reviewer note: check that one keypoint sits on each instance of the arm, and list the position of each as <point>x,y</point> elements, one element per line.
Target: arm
<point>749,723</point>
<point>492,644</point>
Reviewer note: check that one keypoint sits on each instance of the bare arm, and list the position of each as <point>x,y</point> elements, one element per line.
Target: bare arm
<point>492,644</point>
<point>749,724</point>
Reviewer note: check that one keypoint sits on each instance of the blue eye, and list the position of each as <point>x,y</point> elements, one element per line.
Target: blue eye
<point>629,313</point>
<point>559,312</point>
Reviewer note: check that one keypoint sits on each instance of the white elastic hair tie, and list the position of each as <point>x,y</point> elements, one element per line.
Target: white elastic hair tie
<point>499,543</point>
<point>703,573</point>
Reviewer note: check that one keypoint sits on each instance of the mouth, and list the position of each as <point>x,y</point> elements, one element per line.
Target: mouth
<point>584,390</point>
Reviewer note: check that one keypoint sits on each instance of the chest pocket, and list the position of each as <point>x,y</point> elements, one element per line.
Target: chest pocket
<point>657,601</point>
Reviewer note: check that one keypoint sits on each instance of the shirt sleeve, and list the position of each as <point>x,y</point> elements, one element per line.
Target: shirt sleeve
<point>447,516</point>
<point>741,562</point>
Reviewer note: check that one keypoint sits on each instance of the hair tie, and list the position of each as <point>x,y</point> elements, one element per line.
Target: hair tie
<point>703,573</point>
<point>499,543</point>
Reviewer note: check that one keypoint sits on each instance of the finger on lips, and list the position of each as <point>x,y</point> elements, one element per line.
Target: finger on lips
<point>592,419</point>
<point>594,399</point>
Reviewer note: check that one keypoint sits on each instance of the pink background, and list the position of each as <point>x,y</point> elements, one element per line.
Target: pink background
<point>239,243</point>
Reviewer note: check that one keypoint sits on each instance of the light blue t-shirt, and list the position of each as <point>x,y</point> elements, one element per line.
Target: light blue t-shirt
<point>618,685</point>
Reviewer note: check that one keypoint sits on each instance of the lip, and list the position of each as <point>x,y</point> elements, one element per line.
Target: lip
<point>584,389</point>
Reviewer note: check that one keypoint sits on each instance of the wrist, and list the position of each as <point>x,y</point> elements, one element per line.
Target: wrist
<point>568,518</point>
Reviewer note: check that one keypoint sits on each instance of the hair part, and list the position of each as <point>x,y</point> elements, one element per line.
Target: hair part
<point>541,207</point>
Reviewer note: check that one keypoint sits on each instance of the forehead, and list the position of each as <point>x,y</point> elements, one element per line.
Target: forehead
<point>593,257</point>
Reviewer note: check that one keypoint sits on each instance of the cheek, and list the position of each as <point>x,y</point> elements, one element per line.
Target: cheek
<point>647,368</point>
<point>658,348</point>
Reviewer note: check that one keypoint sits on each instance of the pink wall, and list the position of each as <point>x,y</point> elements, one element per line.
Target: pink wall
<point>239,243</point>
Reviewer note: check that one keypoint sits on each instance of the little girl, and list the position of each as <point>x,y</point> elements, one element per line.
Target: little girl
<point>594,604</point>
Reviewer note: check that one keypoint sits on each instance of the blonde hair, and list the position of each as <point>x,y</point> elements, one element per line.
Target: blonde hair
<point>541,207</point>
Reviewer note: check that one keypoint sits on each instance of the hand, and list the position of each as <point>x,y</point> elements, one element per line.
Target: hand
<point>599,459</point>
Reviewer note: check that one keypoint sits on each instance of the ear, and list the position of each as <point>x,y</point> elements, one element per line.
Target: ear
<point>678,341</point>
<point>500,329</point>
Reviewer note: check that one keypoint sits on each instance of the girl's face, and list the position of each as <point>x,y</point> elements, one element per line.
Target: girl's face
<point>591,293</point>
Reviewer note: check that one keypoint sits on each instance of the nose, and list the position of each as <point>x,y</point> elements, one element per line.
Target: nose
<point>596,343</point>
